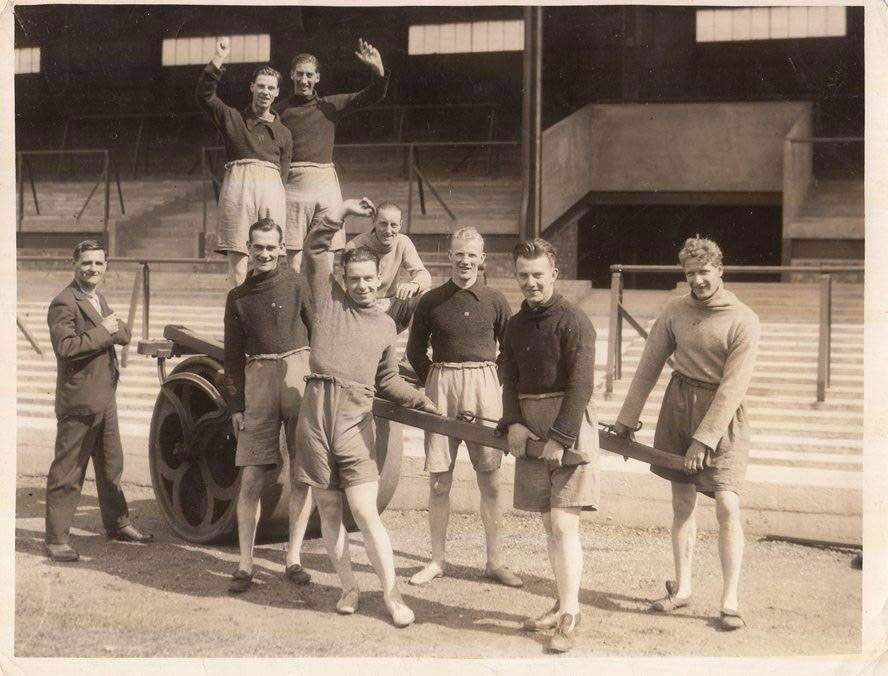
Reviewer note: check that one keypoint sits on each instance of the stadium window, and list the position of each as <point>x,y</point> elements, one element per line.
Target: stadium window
<point>199,50</point>
<point>466,38</point>
<point>770,23</point>
<point>27,60</point>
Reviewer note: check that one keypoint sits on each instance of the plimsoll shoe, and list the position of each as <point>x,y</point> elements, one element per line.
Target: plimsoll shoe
<point>565,636</point>
<point>130,534</point>
<point>544,622</point>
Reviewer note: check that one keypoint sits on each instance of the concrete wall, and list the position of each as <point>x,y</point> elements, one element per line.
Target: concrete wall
<point>689,147</point>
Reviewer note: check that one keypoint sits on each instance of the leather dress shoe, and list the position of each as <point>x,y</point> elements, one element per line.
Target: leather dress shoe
<point>61,552</point>
<point>130,534</point>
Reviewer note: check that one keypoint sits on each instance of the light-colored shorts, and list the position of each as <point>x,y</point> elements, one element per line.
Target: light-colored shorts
<point>541,485</point>
<point>685,404</point>
<point>454,388</point>
<point>309,187</point>
<point>273,391</point>
<point>248,189</point>
<point>336,435</point>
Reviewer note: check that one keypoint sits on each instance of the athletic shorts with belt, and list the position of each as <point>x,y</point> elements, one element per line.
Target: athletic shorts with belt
<point>540,484</point>
<point>249,189</point>
<point>454,388</point>
<point>685,404</point>
<point>273,389</point>
<point>336,434</point>
<point>310,186</point>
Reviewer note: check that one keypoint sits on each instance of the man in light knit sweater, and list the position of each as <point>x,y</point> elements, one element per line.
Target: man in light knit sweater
<point>395,251</point>
<point>267,327</point>
<point>548,369</point>
<point>353,356</point>
<point>464,320</point>
<point>714,338</point>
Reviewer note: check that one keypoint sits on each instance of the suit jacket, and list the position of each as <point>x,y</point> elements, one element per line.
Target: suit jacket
<point>85,357</point>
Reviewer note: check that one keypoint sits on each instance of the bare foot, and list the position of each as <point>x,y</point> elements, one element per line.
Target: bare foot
<point>427,574</point>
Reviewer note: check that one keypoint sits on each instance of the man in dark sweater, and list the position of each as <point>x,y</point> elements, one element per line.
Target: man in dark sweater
<point>548,368</point>
<point>267,329</point>
<point>312,121</point>
<point>465,321</point>
<point>258,148</point>
<point>353,355</point>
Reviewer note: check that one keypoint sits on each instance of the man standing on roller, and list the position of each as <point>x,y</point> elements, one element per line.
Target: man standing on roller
<point>258,148</point>
<point>465,321</point>
<point>312,120</point>
<point>714,338</point>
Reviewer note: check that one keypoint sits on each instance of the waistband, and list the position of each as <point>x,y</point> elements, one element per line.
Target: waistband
<point>544,395</point>
<point>312,165</point>
<point>462,364</point>
<point>341,382</point>
<point>265,164</point>
<point>270,357</point>
<point>694,383</point>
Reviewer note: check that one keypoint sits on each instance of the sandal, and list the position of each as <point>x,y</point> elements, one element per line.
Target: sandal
<point>671,602</point>
<point>731,620</point>
<point>240,582</point>
<point>296,574</point>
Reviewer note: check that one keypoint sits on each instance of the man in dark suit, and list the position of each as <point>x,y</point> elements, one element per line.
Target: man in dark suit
<point>84,330</point>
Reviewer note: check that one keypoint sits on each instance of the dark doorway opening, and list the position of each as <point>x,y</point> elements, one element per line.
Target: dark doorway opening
<point>643,234</point>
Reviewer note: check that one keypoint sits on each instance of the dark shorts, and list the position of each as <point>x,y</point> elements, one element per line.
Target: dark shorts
<point>685,403</point>
<point>272,395</point>
<point>541,485</point>
<point>336,435</point>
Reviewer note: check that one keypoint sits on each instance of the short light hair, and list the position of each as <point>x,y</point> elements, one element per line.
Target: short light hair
<point>88,245</point>
<point>358,255</point>
<point>702,249</point>
<point>305,58</point>
<point>387,205</point>
<point>266,70</point>
<point>534,248</point>
<point>467,233</point>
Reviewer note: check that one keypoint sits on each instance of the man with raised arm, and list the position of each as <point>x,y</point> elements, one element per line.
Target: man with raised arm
<point>267,329</point>
<point>395,251</point>
<point>84,331</point>
<point>352,358</point>
<point>312,120</point>
<point>465,321</point>
<point>548,368</point>
<point>259,149</point>
<point>714,338</point>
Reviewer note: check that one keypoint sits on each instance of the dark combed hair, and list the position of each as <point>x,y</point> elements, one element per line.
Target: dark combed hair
<point>534,248</point>
<point>387,205</point>
<point>267,70</point>
<point>359,255</point>
<point>266,224</point>
<point>88,245</point>
<point>305,58</point>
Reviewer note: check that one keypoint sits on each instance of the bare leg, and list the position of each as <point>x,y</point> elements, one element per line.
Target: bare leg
<point>362,501</point>
<point>684,534</point>
<point>554,552</point>
<point>491,514</point>
<point>294,259</point>
<point>730,544</point>
<point>299,513</point>
<point>565,535</point>
<point>329,504</point>
<point>439,516</point>
<point>237,268</point>
<point>248,510</point>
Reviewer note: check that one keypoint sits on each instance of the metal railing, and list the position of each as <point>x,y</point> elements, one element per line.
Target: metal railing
<point>23,163</point>
<point>413,173</point>
<point>618,313</point>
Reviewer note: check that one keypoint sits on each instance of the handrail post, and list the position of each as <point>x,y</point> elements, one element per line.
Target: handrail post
<point>823,348</point>
<point>27,163</point>
<point>613,347</point>
<point>618,355</point>
<point>107,173</point>
<point>409,186</point>
<point>119,189</point>
<point>131,317</point>
<point>146,299</point>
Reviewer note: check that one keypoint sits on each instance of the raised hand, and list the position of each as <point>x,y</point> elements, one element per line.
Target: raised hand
<point>369,55</point>
<point>223,49</point>
<point>350,207</point>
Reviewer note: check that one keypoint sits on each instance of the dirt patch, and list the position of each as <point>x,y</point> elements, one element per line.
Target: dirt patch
<point>169,599</point>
